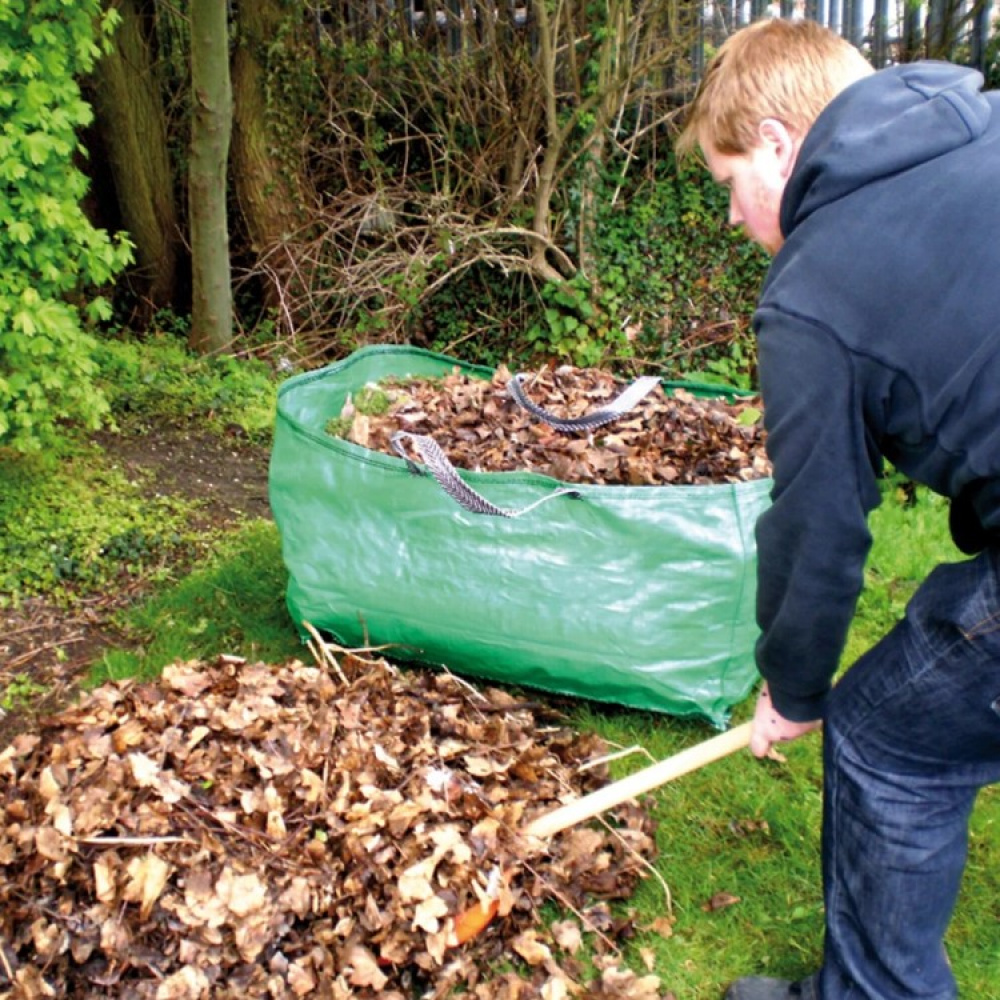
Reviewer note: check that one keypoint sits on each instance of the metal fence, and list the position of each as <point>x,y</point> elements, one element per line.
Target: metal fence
<point>887,32</point>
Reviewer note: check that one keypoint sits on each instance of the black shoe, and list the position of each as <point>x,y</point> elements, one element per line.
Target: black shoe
<point>762,988</point>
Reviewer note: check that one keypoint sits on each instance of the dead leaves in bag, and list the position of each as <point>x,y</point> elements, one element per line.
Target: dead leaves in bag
<point>250,830</point>
<point>680,439</point>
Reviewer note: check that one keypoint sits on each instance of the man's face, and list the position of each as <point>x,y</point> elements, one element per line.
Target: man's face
<point>756,181</point>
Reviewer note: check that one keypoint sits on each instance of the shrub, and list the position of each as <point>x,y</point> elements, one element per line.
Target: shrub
<point>669,284</point>
<point>49,251</point>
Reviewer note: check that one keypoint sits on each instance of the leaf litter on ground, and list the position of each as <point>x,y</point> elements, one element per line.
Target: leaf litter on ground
<point>239,829</point>
<point>669,438</point>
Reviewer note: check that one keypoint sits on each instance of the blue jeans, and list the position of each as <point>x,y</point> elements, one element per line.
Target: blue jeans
<point>911,734</point>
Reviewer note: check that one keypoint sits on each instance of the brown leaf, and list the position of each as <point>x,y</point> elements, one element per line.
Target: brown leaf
<point>533,951</point>
<point>362,969</point>
<point>719,901</point>
<point>664,926</point>
<point>188,983</point>
<point>51,844</point>
<point>242,894</point>
<point>146,878</point>
<point>677,439</point>
<point>567,935</point>
<point>415,883</point>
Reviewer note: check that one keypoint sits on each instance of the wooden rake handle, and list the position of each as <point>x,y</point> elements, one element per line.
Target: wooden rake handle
<point>643,781</point>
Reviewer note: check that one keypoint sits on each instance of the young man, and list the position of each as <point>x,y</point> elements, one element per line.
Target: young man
<point>878,195</point>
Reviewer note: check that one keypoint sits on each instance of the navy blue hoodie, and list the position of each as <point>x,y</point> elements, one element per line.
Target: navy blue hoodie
<point>879,337</point>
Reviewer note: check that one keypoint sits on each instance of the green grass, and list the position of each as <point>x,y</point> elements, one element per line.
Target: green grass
<point>233,604</point>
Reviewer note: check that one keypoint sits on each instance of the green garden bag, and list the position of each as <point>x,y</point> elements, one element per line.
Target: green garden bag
<point>639,596</point>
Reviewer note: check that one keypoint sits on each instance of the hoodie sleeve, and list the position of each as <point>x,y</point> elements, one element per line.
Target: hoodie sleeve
<point>813,540</point>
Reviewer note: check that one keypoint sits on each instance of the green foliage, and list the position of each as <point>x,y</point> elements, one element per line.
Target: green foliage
<point>574,328</point>
<point>49,251</point>
<point>232,603</point>
<point>670,284</point>
<point>992,73</point>
<point>732,363</point>
<point>687,284</point>
<point>71,525</point>
<point>371,400</point>
<point>159,381</point>
<point>19,693</point>
<point>480,316</point>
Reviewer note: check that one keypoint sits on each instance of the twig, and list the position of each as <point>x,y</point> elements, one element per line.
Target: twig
<point>642,861</point>
<point>461,682</point>
<point>32,653</point>
<point>131,841</point>
<point>628,751</point>
<point>582,917</point>
<point>321,653</point>
<point>8,968</point>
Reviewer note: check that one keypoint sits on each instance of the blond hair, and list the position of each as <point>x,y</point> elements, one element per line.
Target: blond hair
<point>787,70</point>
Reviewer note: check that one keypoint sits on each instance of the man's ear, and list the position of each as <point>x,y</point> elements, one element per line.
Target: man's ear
<point>782,141</point>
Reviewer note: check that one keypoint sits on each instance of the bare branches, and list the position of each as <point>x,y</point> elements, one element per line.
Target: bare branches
<point>469,135</point>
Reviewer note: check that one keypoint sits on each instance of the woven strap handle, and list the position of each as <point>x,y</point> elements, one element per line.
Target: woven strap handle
<point>448,479</point>
<point>624,402</point>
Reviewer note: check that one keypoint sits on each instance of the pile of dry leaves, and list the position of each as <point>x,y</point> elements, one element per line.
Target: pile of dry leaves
<point>249,830</point>
<point>675,439</point>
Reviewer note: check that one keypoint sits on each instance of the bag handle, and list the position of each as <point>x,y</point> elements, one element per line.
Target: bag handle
<point>622,403</point>
<point>448,479</point>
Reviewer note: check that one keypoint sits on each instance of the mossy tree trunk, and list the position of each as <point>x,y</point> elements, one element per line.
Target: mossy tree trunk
<point>129,108</point>
<point>211,128</point>
<point>268,177</point>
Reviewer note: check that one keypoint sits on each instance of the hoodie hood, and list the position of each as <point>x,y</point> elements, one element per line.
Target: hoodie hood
<point>900,117</point>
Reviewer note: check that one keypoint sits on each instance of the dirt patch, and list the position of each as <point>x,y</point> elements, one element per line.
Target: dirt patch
<point>227,474</point>
<point>45,649</point>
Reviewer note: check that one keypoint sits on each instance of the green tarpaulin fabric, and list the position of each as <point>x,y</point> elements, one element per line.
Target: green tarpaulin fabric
<point>638,596</point>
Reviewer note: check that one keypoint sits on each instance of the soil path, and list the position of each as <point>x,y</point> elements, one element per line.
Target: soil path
<point>45,647</point>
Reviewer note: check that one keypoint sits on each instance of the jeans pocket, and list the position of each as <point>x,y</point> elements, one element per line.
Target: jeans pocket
<point>986,626</point>
<point>958,602</point>
<point>978,611</point>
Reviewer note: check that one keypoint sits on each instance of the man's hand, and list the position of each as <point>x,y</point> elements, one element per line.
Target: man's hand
<point>769,727</point>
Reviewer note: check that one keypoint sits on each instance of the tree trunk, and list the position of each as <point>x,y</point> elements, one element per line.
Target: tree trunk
<point>211,125</point>
<point>268,186</point>
<point>130,117</point>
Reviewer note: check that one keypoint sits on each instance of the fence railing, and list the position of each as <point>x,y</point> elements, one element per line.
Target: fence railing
<point>888,31</point>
